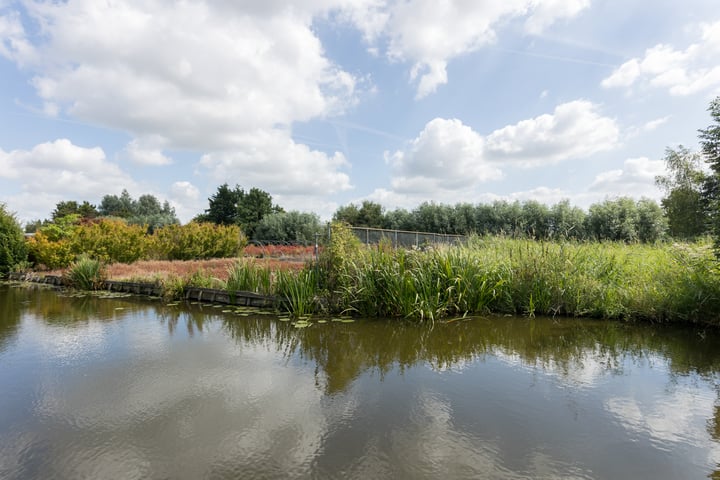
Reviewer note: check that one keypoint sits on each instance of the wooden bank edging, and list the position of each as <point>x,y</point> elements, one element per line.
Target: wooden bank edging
<point>210,295</point>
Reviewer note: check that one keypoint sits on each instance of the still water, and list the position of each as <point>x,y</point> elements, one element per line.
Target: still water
<point>125,388</point>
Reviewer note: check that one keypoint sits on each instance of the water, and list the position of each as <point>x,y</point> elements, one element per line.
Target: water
<point>94,388</point>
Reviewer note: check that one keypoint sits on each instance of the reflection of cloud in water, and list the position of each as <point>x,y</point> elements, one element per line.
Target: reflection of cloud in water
<point>432,442</point>
<point>670,419</point>
<point>585,371</point>
<point>67,343</point>
<point>205,402</point>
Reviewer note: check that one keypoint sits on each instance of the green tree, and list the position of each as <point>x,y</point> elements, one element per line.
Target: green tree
<point>567,221</point>
<point>290,226</point>
<point>615,220</point>
<point>652,224</point>
<point>122,206</point>
<point>252,206</point>
<point>369,214</point>
<point>683,203</point>
<point>71,207</point>
<point>13,250</point>
<point>710,145</point>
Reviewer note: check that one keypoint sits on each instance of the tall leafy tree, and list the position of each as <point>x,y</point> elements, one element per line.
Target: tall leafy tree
<point>223,206</point>
<point>12,241</point>
<point>683,203</point>
<point>71,207</point>
<point>710,145</point>
<point>252,206</point>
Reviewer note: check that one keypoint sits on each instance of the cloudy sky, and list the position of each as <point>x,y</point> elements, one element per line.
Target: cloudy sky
<point>326,102</point>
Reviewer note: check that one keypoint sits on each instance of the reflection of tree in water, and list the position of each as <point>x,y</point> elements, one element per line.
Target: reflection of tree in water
<point>344,351</point>
<point>11,304</point>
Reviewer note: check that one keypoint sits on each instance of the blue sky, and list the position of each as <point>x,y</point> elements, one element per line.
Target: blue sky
<point>327,102</point>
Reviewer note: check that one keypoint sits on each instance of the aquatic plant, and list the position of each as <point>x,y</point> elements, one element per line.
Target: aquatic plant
<point>248,275</point>
<point>86,273</point>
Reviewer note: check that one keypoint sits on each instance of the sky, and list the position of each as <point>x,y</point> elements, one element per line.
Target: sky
<point>326,102</point>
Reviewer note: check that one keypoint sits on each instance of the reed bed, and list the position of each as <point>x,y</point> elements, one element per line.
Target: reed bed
<point>660,283</point>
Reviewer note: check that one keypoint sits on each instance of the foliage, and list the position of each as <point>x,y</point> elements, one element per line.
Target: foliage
<point>110,240</point>
<point>146,210</point>
<point>13,250</point>
<point>86,273</point>
<point>197,241</point>
<point>369,214</point>
<point>491,274</point>
<point>683,202</point>
<point>71,207</point>
<point>247,275</point>
<point>50,246</point>
<point>297,290</point>
<point>235,206</point>
<point>710,144</point>
<point>342,248</point>
<point>290,226</point>
<point>614,220</point>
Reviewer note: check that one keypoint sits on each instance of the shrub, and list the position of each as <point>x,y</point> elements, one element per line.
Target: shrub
<point>86,273</point>
<point>196,241</point>
<point>12,241</point>
<point>110,240</point>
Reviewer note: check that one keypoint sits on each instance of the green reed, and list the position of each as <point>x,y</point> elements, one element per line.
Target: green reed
<point>246,275</point>
<point>86,273</point>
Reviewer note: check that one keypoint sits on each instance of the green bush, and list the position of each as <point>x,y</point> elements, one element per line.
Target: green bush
<point>197,241</point>
<point>110,240</point>
<point>13,250</point>
<point>86,273</point>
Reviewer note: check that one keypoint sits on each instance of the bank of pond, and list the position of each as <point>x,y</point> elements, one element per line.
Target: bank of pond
<point>656,283</point>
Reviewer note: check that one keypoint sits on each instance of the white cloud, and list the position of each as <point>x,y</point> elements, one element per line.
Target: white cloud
<point>449,160</point>
<point>429,34</point>
<point>447,155</point>
<point>185,198</point>
<point>681,72</point>
<point>573,131</point>
<point>53,171</point>
<point>271,160</point>
<point>142,153</point>
<point>635,179</point>
<point>198,74</point>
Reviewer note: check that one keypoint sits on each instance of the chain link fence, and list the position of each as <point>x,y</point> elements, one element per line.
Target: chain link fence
<point>405,239</point>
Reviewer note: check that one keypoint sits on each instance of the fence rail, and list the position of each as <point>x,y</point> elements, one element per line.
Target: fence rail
<point>404,238</point>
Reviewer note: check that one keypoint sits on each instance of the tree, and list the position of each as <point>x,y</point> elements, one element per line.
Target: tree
<point>683,204</point>
<point>114,206</point>
<point>223,206</point>
<point>652,224</point>
<point>290,226</point>
<point>615,220</point>
<point>252,206</point>
<point>710,145</point>
<point>13,250</point>
<point>71,207</point>
<point>369,214</point>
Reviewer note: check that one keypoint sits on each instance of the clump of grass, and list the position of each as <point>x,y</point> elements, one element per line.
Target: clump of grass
<point>86,273</point>
<point>247,275</point>
<point>603,280</point>
<point>297,291</point>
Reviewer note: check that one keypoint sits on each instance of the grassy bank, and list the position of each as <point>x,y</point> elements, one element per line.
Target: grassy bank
<point>658,283</point>
<point>603,280</point>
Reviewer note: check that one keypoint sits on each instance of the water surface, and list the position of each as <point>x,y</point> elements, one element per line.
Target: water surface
<point>134,388</point>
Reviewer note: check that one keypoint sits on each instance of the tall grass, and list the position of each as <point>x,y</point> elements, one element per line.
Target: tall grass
<point>297,290</point>
<point>247,275</point>
<point>86,273</point>
<point>604,280</point>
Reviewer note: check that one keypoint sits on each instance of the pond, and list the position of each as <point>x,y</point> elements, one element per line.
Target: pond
<point>129,387</point>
